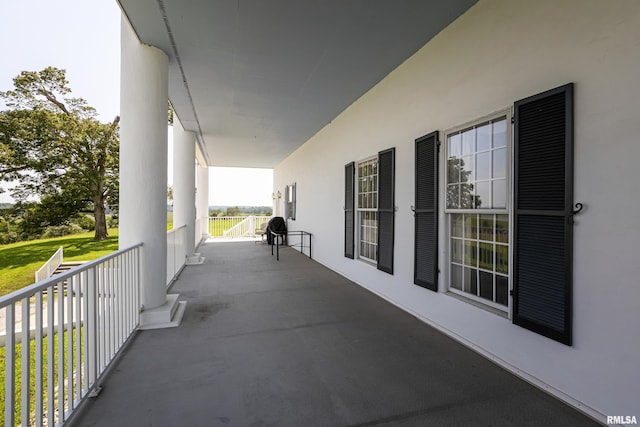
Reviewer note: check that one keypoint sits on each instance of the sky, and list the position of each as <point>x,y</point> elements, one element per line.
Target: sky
<point>83,37</point>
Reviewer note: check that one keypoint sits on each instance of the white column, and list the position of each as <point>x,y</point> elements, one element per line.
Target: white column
<point>202,200</point>
<point>277,198</point>
<point>143,173</point>
<point>184,183</point>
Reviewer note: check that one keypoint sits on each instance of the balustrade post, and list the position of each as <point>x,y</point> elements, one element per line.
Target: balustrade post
<point>39,378</point>
<point>91,328</point>
<point>26,363</point>
<point>51,405</point>
<point>10,366</point>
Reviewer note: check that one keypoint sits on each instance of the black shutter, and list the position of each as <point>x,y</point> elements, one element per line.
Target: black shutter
<point>349,171</point>
<point>293,202</point>
<point>386,209</point>
<point>543,213</point>
<point>425,271</point>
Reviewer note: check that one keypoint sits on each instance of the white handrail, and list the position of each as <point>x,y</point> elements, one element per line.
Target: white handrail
<point>87,314</point>
<point>51,265</point>
<point>240,229</point>
<point>219,224</point>
<point>231,227</point>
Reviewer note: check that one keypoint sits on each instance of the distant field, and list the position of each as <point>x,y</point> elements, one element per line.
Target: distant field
<point>19,261</point>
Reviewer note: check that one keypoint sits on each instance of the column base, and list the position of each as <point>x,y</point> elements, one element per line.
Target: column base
<point>168,315</point>
<point>195,259</point>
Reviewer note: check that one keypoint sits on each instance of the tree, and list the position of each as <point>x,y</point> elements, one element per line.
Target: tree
<point>233,211</point>
<point>8,224</point>
<point>55,148</point>
<point>461,195</point>
<point>170,196</point>
<point>6,215</point>
<point>170,113</point>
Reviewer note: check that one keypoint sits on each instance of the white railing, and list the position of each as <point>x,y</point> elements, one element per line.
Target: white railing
<point>50,266</point>
<point>241,229</point>
<point>219,224</point>
<point>231,227</point>
<point>176,252</point>
<point>74,332</point>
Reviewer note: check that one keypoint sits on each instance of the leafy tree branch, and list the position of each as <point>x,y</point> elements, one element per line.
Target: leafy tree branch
<point>55,148</point>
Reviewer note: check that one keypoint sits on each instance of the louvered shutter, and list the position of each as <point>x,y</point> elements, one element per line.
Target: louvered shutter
<point>386,209</point>
<point>293,201</point>
<point>426,212</point>
<point>287,205</point>
<point>349,171</point>
<point>543,180</point>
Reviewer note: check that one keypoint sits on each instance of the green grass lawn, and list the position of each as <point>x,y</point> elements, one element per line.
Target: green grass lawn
<point>17,404</point>
<point>19,261</point>
<point>18,264</point>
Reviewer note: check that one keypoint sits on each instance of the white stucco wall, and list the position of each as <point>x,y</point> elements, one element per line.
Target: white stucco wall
<point>501,51</point>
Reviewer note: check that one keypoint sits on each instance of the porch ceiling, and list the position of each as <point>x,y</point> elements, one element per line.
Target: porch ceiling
<point>256,79</point>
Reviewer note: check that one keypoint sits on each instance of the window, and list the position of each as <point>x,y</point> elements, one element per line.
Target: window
<point>477,166</point>
<point>480,256</point>
<point>509,234</point>
<point>477,211</point>
<point>367,209</point>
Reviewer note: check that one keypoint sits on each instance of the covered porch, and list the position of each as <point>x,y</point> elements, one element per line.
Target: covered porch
<point>292,343</point>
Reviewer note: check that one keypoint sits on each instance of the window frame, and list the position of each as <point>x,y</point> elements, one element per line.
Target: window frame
<point>373,242</point>
<point>449,213</point>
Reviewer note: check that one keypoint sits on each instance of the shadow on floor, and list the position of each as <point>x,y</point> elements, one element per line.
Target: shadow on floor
<point>291,343</point>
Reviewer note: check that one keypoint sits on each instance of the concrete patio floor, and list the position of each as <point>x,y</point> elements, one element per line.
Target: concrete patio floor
<point>291,343</point>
